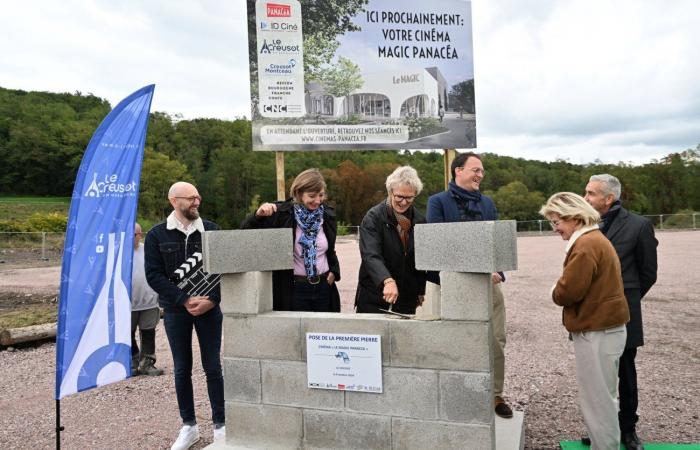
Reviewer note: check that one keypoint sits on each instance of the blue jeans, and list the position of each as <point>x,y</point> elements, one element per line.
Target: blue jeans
<point>178,327</point>
<point>312,297</point>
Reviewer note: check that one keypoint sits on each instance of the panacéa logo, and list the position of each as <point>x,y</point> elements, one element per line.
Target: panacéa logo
<point>109,186</point>
<point>277,10</point>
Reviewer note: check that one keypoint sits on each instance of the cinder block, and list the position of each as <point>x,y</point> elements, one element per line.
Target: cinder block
<point>465,296</point>
<point>333,430</point>
<point>274,335</point>
<point>480,247</point>
<point>263,426</point>
<point>242,380</point>
<point>285,383</point>
<point>347,324</point>
<point>448,345</point>
<point>407,393</point>
<point>246,293</point>
<point>236,251</point>
<point>466,397</point>
<point>420,435</point>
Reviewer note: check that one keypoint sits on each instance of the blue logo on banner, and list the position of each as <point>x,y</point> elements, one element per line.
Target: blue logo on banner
<point>93,340</point>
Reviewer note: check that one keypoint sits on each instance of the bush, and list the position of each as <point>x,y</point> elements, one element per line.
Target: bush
<point>682,219</point>
<point>56,222</point>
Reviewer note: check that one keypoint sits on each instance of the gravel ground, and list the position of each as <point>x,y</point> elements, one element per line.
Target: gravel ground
<point>540,380</point>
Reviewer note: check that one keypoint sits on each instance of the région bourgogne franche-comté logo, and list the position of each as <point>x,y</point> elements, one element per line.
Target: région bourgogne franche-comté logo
<point>109,186</point>
<point>278,10</point>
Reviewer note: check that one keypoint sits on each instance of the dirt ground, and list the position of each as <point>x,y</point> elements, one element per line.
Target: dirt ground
<point>142,412</point>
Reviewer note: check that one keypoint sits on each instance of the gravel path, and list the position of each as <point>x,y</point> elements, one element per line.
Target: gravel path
<point>142,412</point>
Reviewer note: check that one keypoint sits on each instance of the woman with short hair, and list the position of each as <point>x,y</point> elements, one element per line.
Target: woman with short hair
<point>388,277</point>
<point>595,312</point>
<point>310,286</point>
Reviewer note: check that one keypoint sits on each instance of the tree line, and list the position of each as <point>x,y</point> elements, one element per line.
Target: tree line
<point>43,137</point>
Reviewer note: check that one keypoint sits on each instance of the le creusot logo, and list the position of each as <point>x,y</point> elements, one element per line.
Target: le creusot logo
<point>109,186</point>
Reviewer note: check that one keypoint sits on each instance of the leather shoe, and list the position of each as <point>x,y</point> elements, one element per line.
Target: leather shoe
<point>502,409</point>
<point>585,440</point>
<point>632,441</point>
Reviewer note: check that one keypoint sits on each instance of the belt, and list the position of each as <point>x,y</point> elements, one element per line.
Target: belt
<point>310,280</point>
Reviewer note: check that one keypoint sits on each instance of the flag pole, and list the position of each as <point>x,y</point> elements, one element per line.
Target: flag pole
<point>59,428</point>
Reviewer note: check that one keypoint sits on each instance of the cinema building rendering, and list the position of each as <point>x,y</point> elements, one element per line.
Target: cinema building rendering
<point>384,95</point>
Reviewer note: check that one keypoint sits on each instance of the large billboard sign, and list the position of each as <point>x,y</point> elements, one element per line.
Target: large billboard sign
<point>361,74</point>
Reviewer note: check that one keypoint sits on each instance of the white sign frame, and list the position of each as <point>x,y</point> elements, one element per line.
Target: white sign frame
<point>344,362</point>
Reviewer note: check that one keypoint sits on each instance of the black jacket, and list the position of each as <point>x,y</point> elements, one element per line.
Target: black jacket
<point>165,251</point>
<point>283,280</point>
<point>383,256</point>
<point>635,244</point>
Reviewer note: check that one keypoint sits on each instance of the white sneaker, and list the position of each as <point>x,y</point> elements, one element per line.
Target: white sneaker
<point>189,435</point>
<point>220,434</point>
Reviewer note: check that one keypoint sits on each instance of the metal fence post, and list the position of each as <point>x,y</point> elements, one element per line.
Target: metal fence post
<point>43,246</point>
<point>540,224</point>
<point>661,221</point>
<point>693,221</point>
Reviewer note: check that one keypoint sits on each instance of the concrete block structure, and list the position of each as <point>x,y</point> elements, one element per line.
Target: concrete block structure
<point>436,374</point>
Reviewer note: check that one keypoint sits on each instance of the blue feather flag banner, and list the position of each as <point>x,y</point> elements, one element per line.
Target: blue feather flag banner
<point>93,339</point>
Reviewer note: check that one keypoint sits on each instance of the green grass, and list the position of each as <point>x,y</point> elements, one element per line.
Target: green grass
<point>28,315</point>
<point>21,208</point>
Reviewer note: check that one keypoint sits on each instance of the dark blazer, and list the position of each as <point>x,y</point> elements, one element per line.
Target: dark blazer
<point>442,207</point>
<point>165,250</point>
<point>283,280</point>
<point>635,244</point>
<point>383,256</point>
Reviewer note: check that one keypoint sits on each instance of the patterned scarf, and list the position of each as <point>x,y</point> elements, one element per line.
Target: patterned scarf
<point>310,223</point>
<point>468,202</point>
<point>404,223</point>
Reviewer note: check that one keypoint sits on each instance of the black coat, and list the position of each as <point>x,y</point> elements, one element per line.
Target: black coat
<point>283,280</point>
<point>383,257</point>
<point>635,244</point>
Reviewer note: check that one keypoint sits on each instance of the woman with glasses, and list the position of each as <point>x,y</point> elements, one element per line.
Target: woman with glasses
<point>595,312</point>
<point>310,286</point>
<point>388,277</point>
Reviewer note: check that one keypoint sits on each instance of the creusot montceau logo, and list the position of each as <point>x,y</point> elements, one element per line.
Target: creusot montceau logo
<point>109,186</point>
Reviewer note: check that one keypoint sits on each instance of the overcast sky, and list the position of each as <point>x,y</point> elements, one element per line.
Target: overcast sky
<point>574,79</point>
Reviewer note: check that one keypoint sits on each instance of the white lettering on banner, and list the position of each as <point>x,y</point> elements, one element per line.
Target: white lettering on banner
<point>110,187</point>
<point>336,134</point>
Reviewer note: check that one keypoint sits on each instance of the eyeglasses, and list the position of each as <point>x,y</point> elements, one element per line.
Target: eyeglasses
<point>554,223</point>
<point>477,170</point>
<point>404,198</point>
<point>192,199</point>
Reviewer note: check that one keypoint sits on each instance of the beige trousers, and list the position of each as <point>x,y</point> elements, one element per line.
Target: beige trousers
<point>498,322</point>
<point>597,361</point>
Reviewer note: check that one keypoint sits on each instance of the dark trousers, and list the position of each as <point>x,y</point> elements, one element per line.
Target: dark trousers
<point>178,327</point>
<point>148,344</point>
<point>627,373</point>
<point>312,297</point>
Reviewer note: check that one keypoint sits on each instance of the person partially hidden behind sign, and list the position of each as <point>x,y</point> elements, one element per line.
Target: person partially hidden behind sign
<point>310,286</point>
<point>168,245</point>
<point>388,277</point>
<point>144,314</point>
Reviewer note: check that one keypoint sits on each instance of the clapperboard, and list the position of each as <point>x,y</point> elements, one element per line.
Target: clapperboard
<point>192,278</point>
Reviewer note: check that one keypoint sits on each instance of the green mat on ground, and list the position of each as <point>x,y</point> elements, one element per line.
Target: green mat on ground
<point>577,445</point>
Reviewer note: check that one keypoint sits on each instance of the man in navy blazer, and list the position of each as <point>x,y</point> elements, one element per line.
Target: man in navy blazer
<point>463,201</point>
<point>635,244</point>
